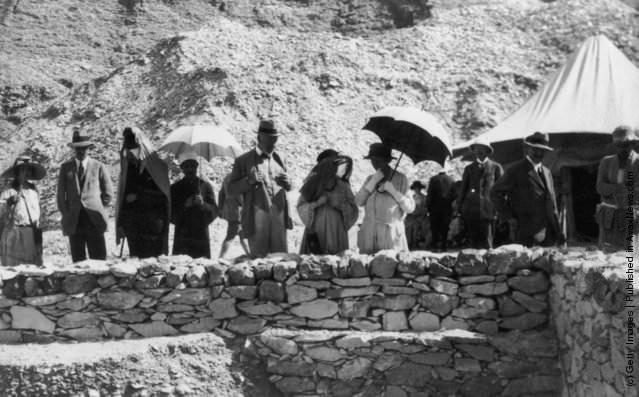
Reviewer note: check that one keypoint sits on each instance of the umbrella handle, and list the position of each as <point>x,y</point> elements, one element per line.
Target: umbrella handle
<point>390,178</point>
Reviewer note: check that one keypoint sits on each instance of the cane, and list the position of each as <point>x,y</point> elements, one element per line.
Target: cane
<point>122,246</point>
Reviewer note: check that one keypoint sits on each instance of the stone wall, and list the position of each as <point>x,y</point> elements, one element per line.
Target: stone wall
<point>323,324</point>
<point>505,289</point>
<point>593,300</point>
<point>444,363</point>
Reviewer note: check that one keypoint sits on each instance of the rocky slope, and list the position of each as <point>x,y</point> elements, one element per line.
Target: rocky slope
<point>471,65</point>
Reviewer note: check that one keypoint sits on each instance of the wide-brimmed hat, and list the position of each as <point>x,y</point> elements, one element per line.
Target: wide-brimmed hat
<point>538,140</point>
<point>80,140</point>
<point>417,185</point>
<point>267,127</point>
<point>324,154</point>
<point>35,171</point>
<point>624,133</point>
<point>481,141</point>
<point>379,150</point>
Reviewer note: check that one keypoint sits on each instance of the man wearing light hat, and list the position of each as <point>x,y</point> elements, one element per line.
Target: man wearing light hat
<point>84,192</point>
<point>475,206</point>
<point>193,208</point>
<point>260,177</point>
<point>525,196</point>
<point>615,184</point>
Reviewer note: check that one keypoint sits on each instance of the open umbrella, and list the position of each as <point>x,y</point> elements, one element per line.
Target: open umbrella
<point>206,140</point>
<point>415,133</point>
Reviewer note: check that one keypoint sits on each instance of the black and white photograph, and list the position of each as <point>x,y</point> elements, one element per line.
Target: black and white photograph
<point>319,198</point>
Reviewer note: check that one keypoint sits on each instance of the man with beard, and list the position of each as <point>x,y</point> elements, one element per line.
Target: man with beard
<point>193,209</point>
<point>525,195</point>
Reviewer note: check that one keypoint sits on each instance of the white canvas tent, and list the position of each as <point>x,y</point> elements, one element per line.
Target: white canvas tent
<point>594,92</point>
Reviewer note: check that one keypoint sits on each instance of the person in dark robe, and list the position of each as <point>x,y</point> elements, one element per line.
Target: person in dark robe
<point>439,201</point>
<point>142,209</point>
<point>193,208</point>
<point>327,206</point>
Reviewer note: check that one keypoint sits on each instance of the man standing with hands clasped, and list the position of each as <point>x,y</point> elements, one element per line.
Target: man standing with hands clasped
<point>259,176</point>
<point>193,208</point>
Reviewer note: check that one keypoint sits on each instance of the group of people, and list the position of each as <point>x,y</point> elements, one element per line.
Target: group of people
<point>523,200</point>
<point>253,200</point>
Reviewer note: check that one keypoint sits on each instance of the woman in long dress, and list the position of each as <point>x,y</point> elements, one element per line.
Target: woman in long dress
<point>386,202</point>
<point>20,215</point>
<point>327,205</point>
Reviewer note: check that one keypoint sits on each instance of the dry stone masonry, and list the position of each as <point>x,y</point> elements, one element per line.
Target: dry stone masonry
<point>510,321</point>
<point>444,363</point>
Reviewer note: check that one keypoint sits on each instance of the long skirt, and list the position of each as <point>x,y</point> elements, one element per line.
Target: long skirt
<point>17,246</point>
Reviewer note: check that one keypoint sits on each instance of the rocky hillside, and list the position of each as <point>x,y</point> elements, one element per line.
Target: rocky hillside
<point>319,68</point>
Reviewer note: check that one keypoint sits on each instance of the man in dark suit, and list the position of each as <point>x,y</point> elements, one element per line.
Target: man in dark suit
<point>84,192</point>
<point>259,176</point>
<point>474,202</point>
<point>439,201</point>
<point>525,195</point>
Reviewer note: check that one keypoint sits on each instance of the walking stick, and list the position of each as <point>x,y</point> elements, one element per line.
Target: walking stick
<point>122,246</point>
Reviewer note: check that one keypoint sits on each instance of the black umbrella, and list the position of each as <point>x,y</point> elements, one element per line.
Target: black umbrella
<point>415,133</point>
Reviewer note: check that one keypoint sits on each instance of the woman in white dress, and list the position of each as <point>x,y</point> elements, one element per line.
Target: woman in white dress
<point>20,242</point>
<point>386,202</point>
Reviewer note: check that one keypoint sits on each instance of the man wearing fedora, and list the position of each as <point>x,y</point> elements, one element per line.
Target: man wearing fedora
<point>84,192</point>
<point>260,177</point>
<point>474,202</point>
<point>525,196</point>
<point>615,183</point>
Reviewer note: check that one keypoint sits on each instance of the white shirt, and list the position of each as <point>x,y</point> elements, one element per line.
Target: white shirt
<point>84,163</point>
<point>537,167</point>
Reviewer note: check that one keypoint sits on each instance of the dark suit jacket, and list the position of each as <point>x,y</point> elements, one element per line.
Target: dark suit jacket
<point>440,194</point>
<point>258,195</point>
<point>95,195</point>
<point>474,195</point>
<point>520,194</point>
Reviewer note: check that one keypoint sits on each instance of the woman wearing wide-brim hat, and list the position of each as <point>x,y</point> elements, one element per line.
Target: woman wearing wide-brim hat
<point>386,202</point>
<point>20,237</point>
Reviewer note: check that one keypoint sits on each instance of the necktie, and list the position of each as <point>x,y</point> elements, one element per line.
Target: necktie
<point>542,177</point>
<point>81,175</point>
